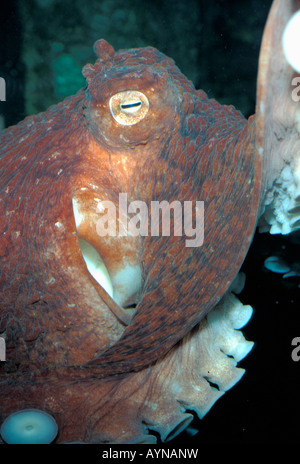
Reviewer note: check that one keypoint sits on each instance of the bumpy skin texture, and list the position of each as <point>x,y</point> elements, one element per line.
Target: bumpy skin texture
<point>58,322</point>
<point>187,148</point>
<point>206,152</point>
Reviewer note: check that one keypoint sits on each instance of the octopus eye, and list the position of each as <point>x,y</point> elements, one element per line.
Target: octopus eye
<point>129,107</point>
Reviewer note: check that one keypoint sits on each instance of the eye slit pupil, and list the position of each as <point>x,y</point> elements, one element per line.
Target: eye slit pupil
<point>128,107</point>
<point>125,106</point>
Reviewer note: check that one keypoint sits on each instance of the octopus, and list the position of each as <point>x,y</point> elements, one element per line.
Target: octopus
<point>115,330</point>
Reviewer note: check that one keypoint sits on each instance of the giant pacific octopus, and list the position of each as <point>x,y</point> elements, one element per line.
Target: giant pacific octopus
<point>110,361</point>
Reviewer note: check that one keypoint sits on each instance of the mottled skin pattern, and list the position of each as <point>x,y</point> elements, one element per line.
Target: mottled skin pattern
<point>187,148</point>
<point>207,155</point>
<point>71,349</point>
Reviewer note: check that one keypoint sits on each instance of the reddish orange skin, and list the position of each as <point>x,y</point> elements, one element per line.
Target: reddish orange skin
<point>206,153</point>
<point>187,148</point>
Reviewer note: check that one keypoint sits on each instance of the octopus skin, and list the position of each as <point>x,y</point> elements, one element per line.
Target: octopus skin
<point>109,367</point>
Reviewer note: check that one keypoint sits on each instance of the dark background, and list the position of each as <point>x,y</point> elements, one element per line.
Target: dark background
<point>44,44</point>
